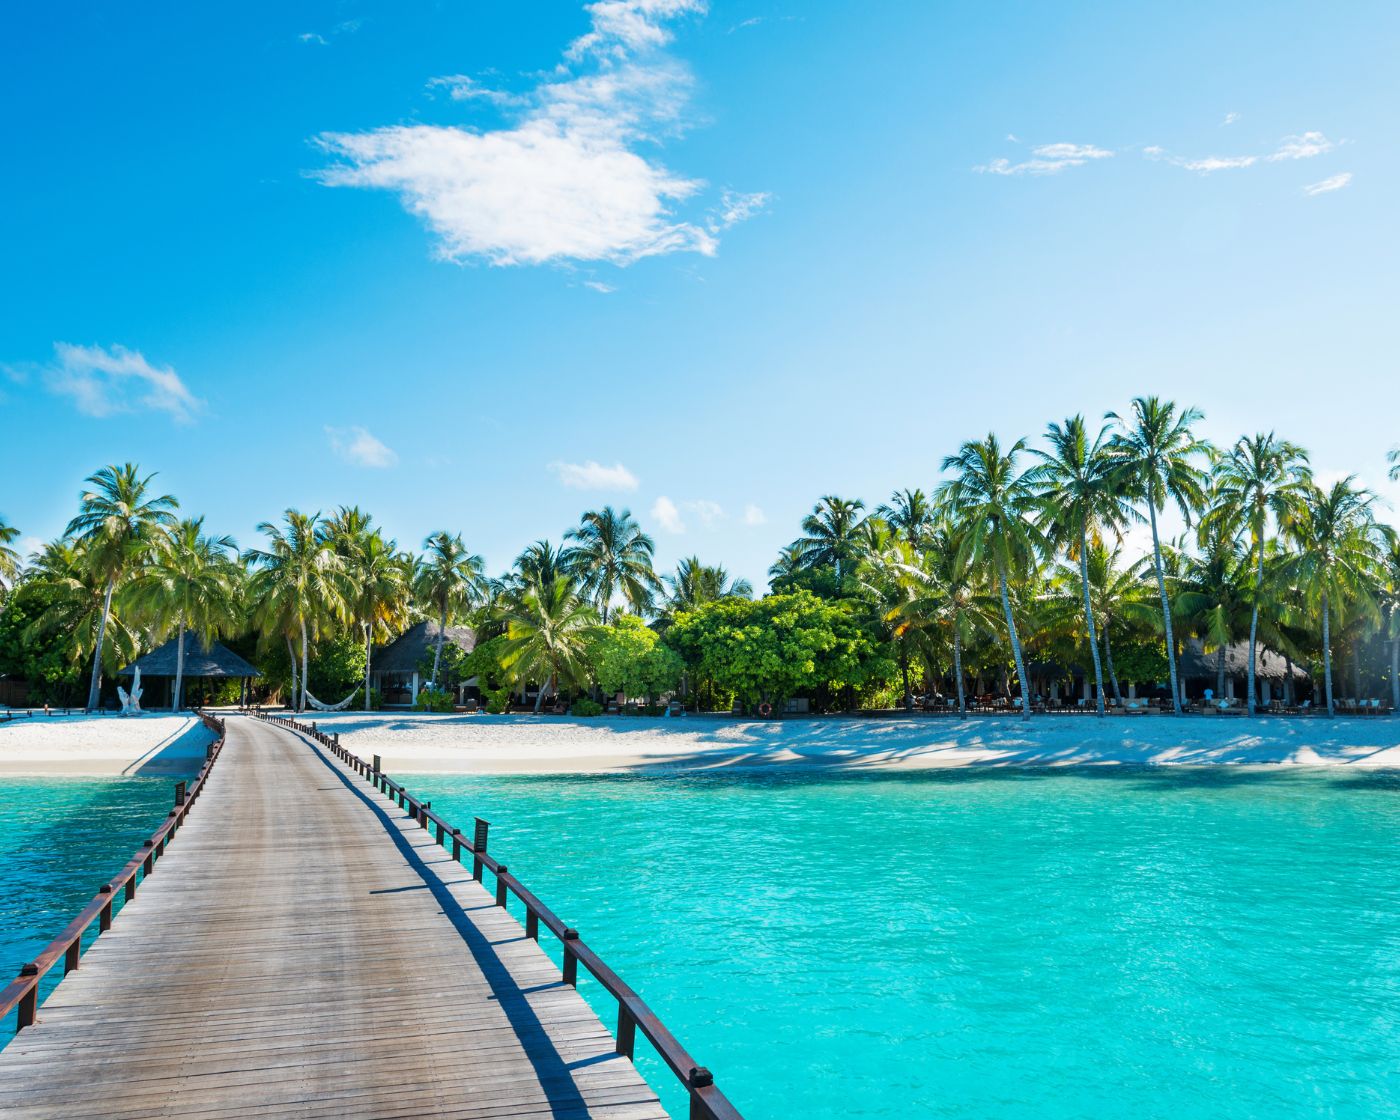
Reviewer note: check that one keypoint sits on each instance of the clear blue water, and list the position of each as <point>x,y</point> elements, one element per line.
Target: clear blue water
<point>1011,944</point>
<point>61,839</point>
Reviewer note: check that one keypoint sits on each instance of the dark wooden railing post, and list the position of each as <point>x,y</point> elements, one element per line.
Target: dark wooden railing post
<point>149,865</point>
<point>626,1031</point>
<point>104,921</point>
<point>71,957</point>
<point>479,846</point>
<point>423,813</point>
<point>29,1005</point>
<point>378,765</point>
<point>532,926</point>
<point>700,1078</point>
<point>440,833</point>
<point>570,959</point>
<point>181,792</point>
<point>457,845</point>
<point>501,870</point>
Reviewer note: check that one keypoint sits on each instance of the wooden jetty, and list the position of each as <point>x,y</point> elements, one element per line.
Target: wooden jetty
<point>310,940</point>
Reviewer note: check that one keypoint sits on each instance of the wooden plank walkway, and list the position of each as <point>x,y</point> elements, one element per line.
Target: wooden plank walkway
<point>305,950</point>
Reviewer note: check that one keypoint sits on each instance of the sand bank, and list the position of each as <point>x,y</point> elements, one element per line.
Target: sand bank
<point>422,743</point>
<point>78,745</point>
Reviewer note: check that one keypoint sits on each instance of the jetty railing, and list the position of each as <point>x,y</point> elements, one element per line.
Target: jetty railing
<point>23,991</point>
<point>707,1102</point>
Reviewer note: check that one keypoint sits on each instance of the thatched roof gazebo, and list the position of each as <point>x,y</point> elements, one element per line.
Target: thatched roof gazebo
<point>202,661</point>
<point>396,666</point>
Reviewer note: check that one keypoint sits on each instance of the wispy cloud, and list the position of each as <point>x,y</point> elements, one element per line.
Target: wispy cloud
<point>1304,146</point>
<point>1047,159</point>
<point>591,475</point>
<point>1230,118</point>
<point>106,381</point>
<point>312,37</point>
<point>599,286</point>
<point>735,207</point>
<point>344,27</point>
<point>664,511</point>
<point>753,515</point>
<point>1333,183</point>
<point>573,175</point>
<point>707,512</point>
<point>461,87</point>
<point>359,446</point>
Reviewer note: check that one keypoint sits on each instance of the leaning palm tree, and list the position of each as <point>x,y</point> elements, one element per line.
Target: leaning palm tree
<point>190,583</point>
<point>118,522</point>
<point>297,584</point>
<point>830,535</point>
<point>377,580</point>
<point>1156,454</point>
<point>612,555</point>
<point>547,632</point>
<point>9,558</point>
<point>452,579</point>
<point>992,504</point>
<point>1259,476</point>
<point>1337,563</point>
<point>1080,498</point>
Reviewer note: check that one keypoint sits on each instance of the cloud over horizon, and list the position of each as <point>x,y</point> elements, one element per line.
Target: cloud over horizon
<point>592,475</point>
<point>107,381</point>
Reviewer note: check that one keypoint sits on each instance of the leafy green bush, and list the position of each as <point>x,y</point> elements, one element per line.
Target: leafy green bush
<point>586,707</point>
<point>434,700</point>
<point>376,700</point>
<point>497,700</point>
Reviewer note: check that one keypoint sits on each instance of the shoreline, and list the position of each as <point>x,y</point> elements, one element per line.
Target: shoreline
<point>78,746</point>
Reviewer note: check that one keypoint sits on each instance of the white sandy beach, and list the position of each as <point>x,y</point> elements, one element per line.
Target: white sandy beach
<point>102,745</point>
<point>422,743</point>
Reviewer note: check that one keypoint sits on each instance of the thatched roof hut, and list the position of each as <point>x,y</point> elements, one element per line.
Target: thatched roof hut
<point>406,652</point>
<point>213,660</point>
<point>1196,664</point>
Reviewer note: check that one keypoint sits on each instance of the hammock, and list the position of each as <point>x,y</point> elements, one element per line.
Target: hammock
<point>331,707</point>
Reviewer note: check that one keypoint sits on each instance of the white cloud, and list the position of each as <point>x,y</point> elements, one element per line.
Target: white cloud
<point>710,513</point>
<point>105,382</point>
<point>1230,118</point>
<point>359,446</point>
<point>1333,183</point>
<point>1216,163</point>
<point>594,476</point>
<point>736,207</point>
<point>753,515</point>
<point>665,512</point>
<point>460,87</point>
<point>573,175</point>
<point>599,286</point>
<point>312,37</point>
<point>1047,159</point>
<point>1304,146</point>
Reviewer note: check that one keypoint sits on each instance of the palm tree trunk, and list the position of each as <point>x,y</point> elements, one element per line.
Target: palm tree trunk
<point>904,669</point>
<point>1288,679</point>
<point>1220,672</point>
<point>304,653</point>
<point>1015,645</point>
<point>292,657</point>
<point>539,696</point>
<point>1254,624</point>
<point>95,688</point>
<point>179,669</point>
<point>1327,654</point>
<point>1089,610</point>
<point>1166,608</point>
<point>369,652</point>
<point>957,664</point>
<point>1112,672</point>
<point>437,652</point>
<point>1395,675</point>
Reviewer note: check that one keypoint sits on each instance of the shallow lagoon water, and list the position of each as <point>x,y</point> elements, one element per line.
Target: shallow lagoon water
<point>1173,942</point>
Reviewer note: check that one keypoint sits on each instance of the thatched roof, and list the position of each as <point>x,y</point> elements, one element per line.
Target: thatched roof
<point>406,652</point>
<point>1271,666</point>
<point>214,660</point>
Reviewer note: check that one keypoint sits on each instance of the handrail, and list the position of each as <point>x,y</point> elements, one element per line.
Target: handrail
<point>707,1102</point>
<point>23,991</point>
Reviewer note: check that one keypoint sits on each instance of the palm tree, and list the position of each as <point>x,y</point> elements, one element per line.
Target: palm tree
<point>1213,592</point>
<point>451,579</point>
<point>788,564</point>
<point>9,558</point>
<point>1391,606</point>
<point>613,555</point>
<point>190,583</point>
<point>910,514</point>
<point>992,504</point>
<point>830,539</point>
<point>1339,554</point>
<point>377,579</point>
<point>1156,452</point>
<point>298,585</point>
<point>695,584</point>
<point>118,520</point>
<point>1080,498</point>
<point>540,565</point>
<point>1259,476</point>
<point>547,631</point>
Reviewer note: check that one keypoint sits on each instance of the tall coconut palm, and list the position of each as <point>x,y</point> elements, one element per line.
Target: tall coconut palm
<point>693,584</point>
<point>452,579</point>
<point>1214,593</point>
<point>1080,498</point>
<point>1336,566</point>
<point>191,582</point>
<point>788,564</point>
<point>118,521</point>
<point>297,584</point>
<point>611,555</point>
<point>1260,476</point>
<point>9,558</point>
<point>540,565</point>
<point>547,632</point>
<point>377,578</point>
<point>830,537</point>
<point>1157,454</point>
<point>911,514</point>
<point>1390,602</point>
<point>992,503</point>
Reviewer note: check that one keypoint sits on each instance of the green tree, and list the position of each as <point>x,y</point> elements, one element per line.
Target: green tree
<point>1260,476</point>
<point>118,522</point>
<point>911,515</point>
<point>1156,454</point>
<point>1213,592</point>
<point>547,633</point>
<point>628,656</point>
<point>9,558</point>
<point>377,580</point>
<point>191,582</point>
<point>452,580</point>
<point>993,504</point>
<point>830,536</point>
<point>611,556</point>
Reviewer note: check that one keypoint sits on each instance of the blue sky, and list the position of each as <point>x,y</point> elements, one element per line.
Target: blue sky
<point>484,265</point>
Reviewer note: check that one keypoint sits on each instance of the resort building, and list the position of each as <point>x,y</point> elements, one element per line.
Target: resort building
<point>202,663</point>
<point>401,668</point>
